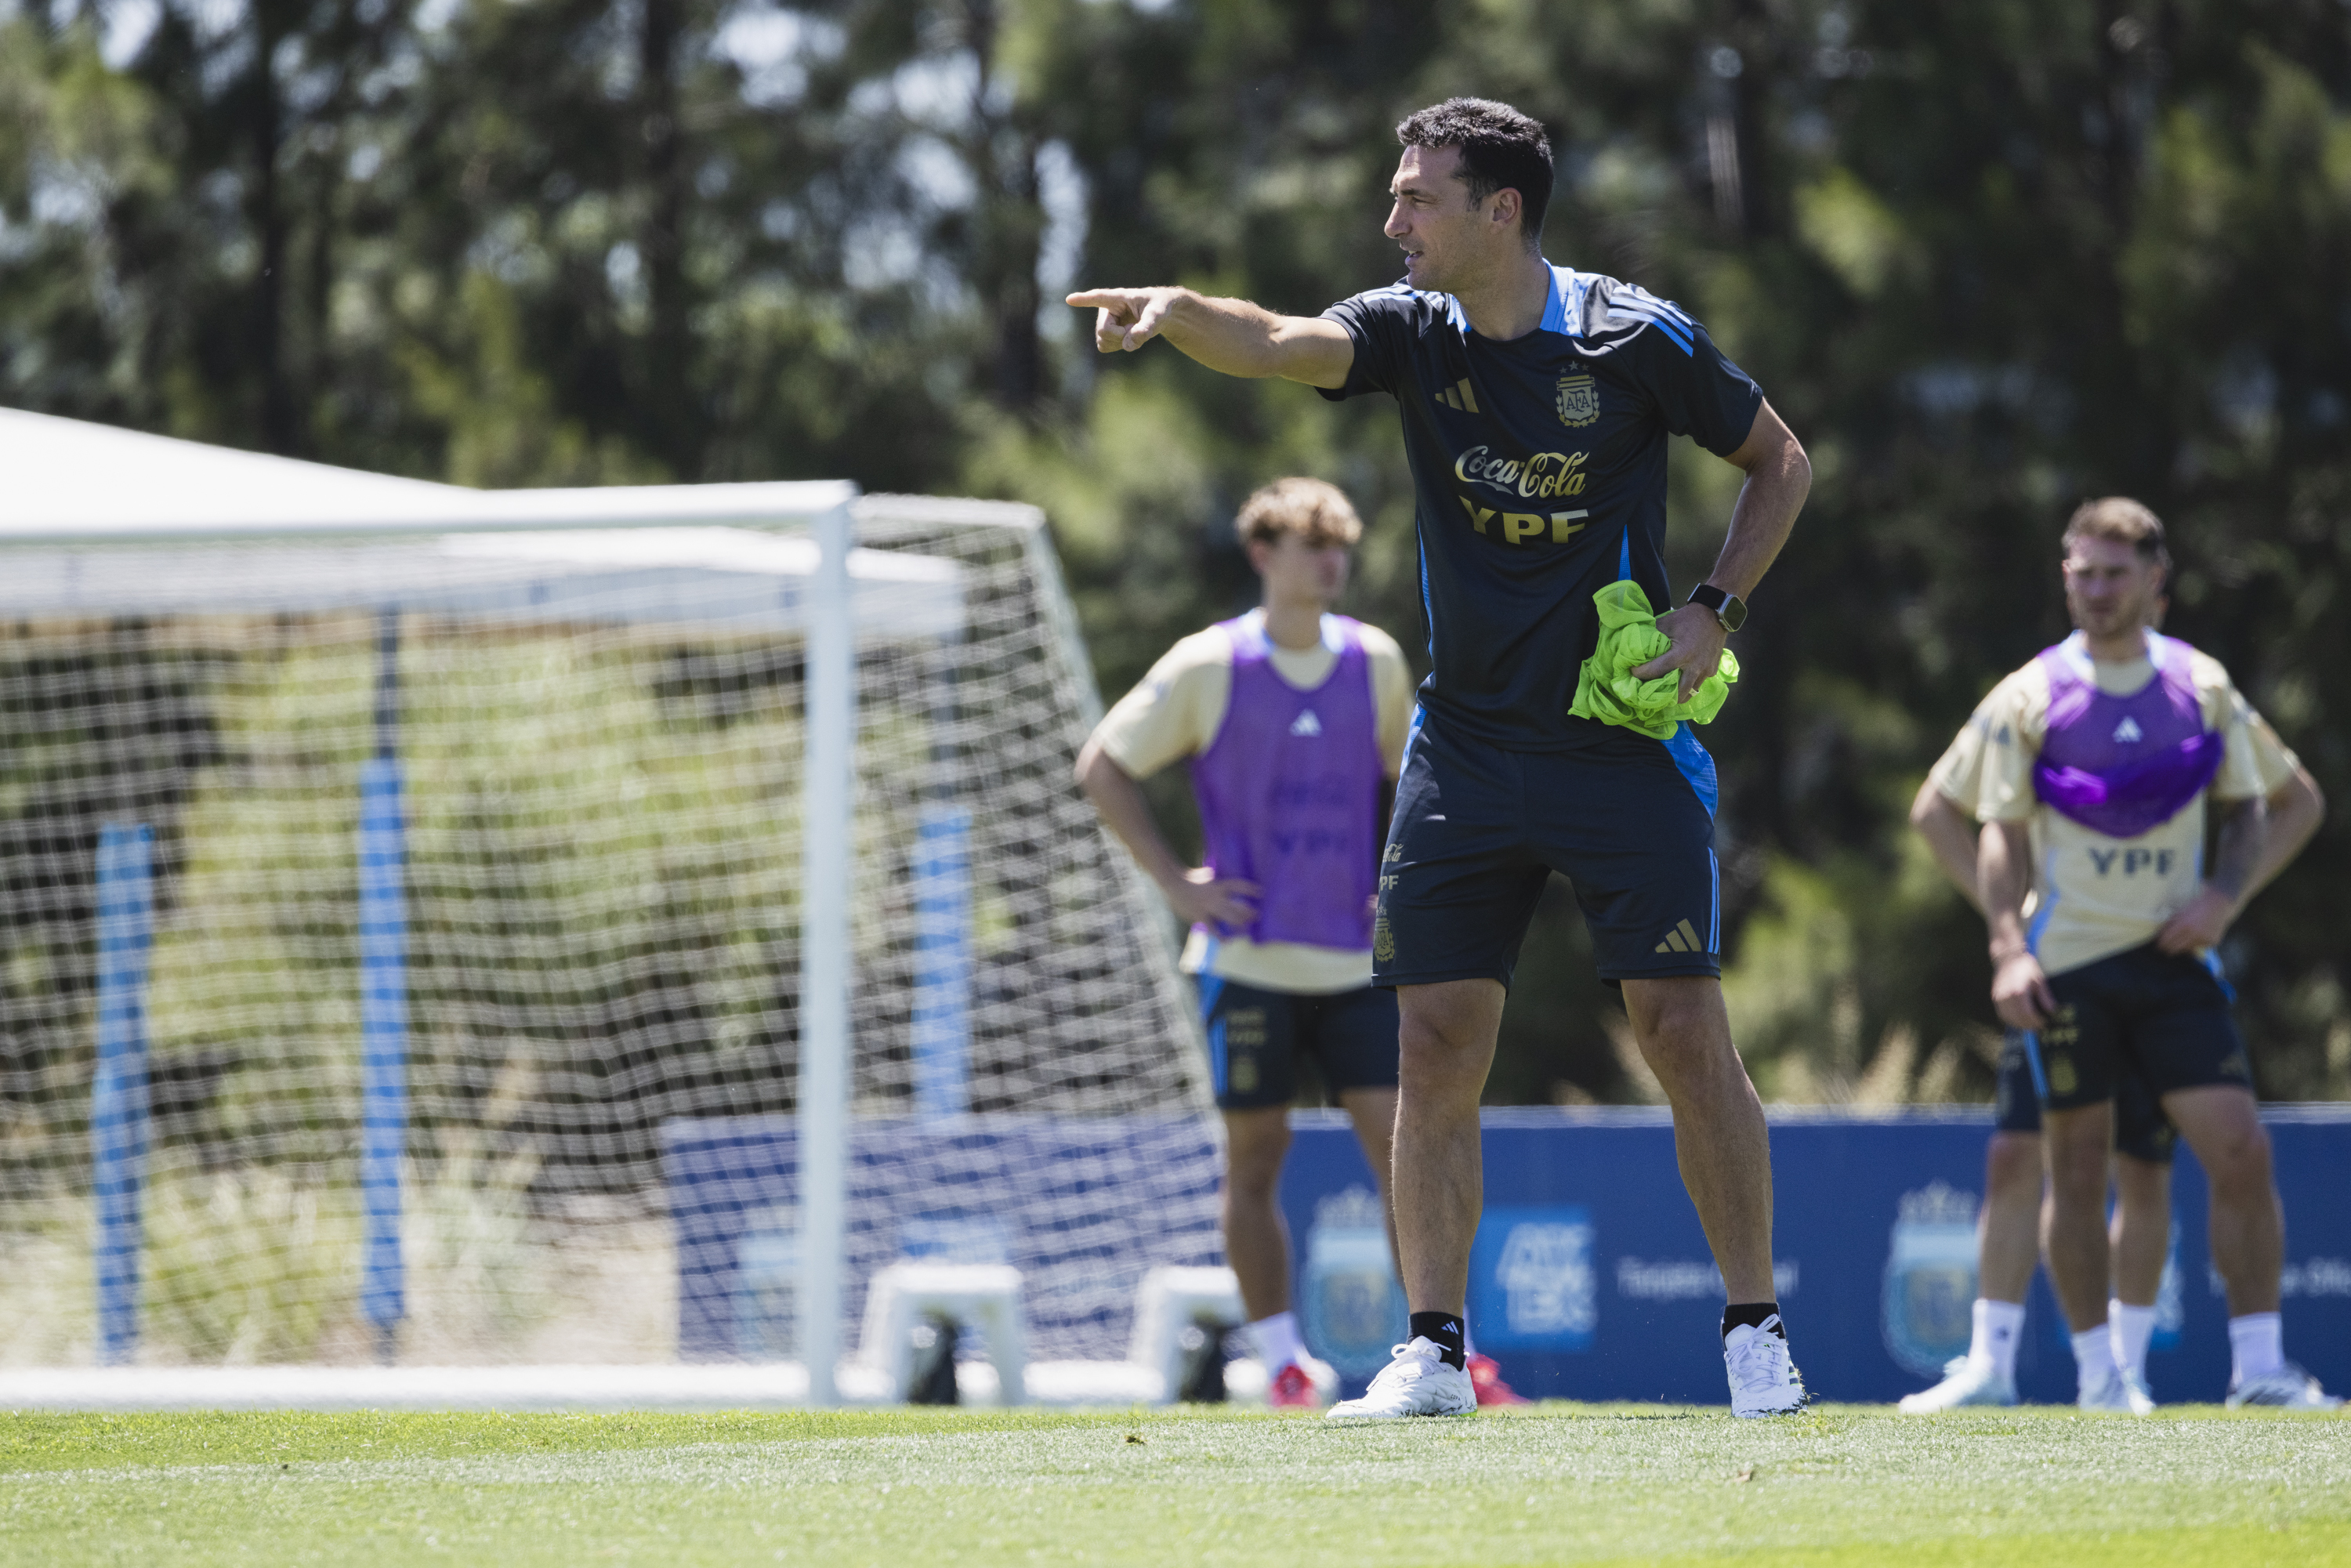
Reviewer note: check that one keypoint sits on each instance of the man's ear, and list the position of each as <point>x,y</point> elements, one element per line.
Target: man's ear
<point>1507,205</point>
<point>1259,551</point>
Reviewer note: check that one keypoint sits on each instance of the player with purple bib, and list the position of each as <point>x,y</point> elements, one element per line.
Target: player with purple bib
<point>2091,768</point>
<point>1293,722</point>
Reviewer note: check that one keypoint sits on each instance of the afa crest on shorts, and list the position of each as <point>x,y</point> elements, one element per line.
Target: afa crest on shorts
<point>1930,1279</point>
<point>1578,400</point>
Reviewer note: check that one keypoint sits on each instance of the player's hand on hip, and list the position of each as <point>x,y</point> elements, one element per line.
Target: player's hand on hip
<point>1203,898</point>
<point>2200,924</point>
<point>2021,993</point>
<point>1698,638</point>
<point>1125,318</point>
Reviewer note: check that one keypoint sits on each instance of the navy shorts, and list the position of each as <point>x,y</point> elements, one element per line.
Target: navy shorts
<point>1256,1036</point>
<point>2141,1129</point>
<point>1476,830</point>
<point>2161,1017</point>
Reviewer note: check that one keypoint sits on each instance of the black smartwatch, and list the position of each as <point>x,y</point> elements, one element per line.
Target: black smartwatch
<point>1728,607</point>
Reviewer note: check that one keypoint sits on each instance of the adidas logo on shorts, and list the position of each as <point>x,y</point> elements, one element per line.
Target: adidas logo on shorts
<point>1682,938</point>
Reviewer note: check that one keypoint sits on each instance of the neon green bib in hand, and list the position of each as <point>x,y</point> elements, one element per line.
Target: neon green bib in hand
<point>1606,689</point>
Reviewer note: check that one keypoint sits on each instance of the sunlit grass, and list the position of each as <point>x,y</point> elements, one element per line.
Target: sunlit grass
<point>1557,1483</point>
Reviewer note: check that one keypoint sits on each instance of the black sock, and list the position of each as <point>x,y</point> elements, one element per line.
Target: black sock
<point>1443,1329</point>
<point>1752,1315</point>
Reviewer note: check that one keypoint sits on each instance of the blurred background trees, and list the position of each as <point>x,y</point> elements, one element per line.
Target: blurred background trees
<point>1986,260</point>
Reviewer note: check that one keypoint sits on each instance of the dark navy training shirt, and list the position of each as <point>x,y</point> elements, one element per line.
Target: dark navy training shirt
<point>1539,465</point>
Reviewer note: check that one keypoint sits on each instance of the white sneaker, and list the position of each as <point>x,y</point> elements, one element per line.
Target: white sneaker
<point>1965,1382</point>
<point>2109,1396</point>
<point>1416,1382</point>
<point>2287,1388</point>
<point>1763,1379</point>
<point>2141,1398</point>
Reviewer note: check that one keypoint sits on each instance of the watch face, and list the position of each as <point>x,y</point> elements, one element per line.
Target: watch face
<point>1728,607</point>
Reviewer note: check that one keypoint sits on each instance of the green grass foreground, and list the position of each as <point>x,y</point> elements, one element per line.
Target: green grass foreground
<point>1557,1483</point>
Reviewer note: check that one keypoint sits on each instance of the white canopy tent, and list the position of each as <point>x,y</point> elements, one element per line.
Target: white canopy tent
<point>75,497</point>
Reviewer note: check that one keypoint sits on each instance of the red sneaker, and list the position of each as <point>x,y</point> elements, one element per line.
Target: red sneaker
<point>1486,1377</point>
<point>1292,1389</point>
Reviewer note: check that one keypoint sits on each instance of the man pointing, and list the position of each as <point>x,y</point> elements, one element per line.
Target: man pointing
<point>1537,402</point>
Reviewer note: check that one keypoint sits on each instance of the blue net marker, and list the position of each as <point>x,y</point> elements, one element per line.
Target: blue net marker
<point>383,1008</point>
<point>118,1094</point>
<point>942,1024</point>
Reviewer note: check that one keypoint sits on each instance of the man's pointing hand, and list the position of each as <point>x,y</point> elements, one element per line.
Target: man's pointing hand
<point>1126,317</point>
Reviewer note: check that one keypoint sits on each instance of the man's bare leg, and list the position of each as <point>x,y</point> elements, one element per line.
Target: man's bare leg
<point>2223,1126</point>
<point>1257,1241</point>
<point>2008,1229</point>
<point>2078,1143</point>
<point>1374,1112</point>
<point>1446,1045</point>
<point>2137,1240</point>
<point>2074,1231</point>
<point>1719,1137</point>
<point>2140,1236</point>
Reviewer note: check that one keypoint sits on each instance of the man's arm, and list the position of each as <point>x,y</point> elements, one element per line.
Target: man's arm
<point>1779,476</point>
<point>1951,834</point>
<point>2258,838</point>
<point>1228,335</point>
<point>1193,892</point>
<point>2020,991</point>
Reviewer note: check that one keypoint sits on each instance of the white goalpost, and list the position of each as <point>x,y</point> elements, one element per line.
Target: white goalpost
<point>627,926</point>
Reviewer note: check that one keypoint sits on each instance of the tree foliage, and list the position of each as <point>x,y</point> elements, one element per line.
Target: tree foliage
<point>1986,260</point>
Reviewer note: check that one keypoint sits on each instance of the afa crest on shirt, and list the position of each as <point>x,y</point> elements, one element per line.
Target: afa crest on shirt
<point>1578,400</point>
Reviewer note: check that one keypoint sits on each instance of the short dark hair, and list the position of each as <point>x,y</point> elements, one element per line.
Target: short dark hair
<point>1500,148</point>
<point>2124,521</point>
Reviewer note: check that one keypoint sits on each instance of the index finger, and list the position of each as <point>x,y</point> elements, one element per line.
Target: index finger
<point>1098,298</point>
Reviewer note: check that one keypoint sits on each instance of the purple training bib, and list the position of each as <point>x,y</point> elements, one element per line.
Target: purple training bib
<point>2120,766</point>
<point>1289,791</point>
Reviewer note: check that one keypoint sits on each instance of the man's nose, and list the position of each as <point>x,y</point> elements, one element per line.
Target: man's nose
<point>1395,228</point>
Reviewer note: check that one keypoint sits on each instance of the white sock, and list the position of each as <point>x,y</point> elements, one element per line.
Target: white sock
<point>2093,1356</point>
<point>2257,1343</point>
<point>1998,1325</point>
<point>1278,1344</point>
<point>2133,1328</point>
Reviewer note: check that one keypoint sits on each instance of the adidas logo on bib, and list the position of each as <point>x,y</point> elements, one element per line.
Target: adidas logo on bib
<point>2128,731</point>
<point>1307,724</point>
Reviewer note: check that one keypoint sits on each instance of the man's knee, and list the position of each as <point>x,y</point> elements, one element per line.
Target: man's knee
<point>1256,1143</point>
<point>2239,1162</point>
<point>1680,1026</point>
<point>1673,1008</point>
<point>2012,1167</point>
<point>1447,1031</point>
<point>2078,1142</point>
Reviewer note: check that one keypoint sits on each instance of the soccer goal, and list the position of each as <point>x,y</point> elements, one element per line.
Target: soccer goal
<point>562,928</point>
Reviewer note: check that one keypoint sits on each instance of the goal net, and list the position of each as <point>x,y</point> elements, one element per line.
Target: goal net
<point>401,942</point>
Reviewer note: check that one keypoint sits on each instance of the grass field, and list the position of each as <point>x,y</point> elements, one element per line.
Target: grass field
<point>1554,1484</point>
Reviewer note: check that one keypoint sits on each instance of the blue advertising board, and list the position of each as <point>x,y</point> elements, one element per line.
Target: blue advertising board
<point>1590,1278</point>
<point>1081,1206</point>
